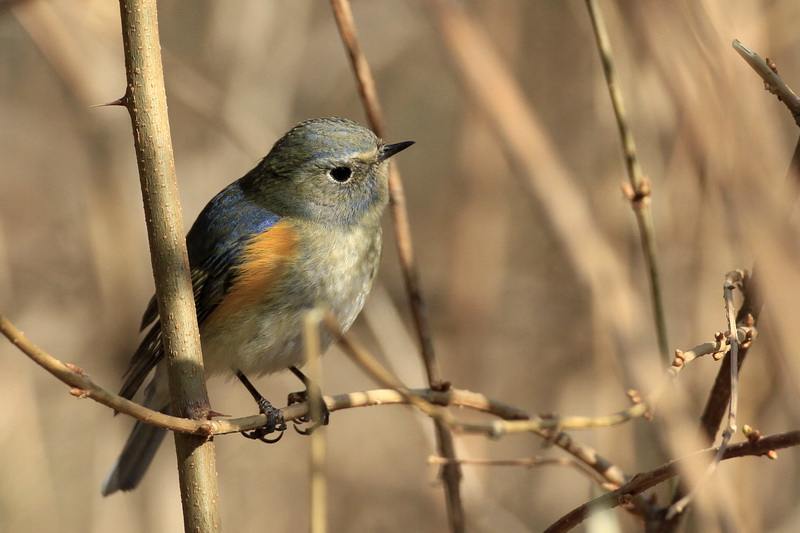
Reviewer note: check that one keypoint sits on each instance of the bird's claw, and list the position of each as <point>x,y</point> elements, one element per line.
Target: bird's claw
<point>325,414</point>
<point>275,422</point>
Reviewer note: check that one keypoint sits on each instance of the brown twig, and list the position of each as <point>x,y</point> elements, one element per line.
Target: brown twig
<point>369,98</point>
<point>550,429</point>
<point>529,462</point>
<point>732,279</point>
<point>82,386</point>
<point>720,395</point>
<point>513,420</point>
<point>772,81</point>
<point>429,400</point>
<point>637,192</point>
<point>642,482</point>
<point>451,473</point>
<point>317,448</point>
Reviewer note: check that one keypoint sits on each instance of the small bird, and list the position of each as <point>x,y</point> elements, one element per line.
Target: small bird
<point>300,230</point>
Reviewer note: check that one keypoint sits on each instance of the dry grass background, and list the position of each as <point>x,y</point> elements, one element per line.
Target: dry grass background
<point>510,317</point>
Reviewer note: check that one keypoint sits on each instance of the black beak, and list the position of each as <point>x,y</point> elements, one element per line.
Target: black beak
<point>389,150</point>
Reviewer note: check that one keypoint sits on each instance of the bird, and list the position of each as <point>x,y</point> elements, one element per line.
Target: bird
<point>301,230</point>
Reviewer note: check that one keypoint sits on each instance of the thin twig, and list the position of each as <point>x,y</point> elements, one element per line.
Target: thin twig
<point>642,482</point>
<point>638,192</point>
<point>529,462</point>
<point>317,448</point>
<point>732,280</point>
<point>430,400</point>
<point>82,386</point>
<point>369,98</point>
<point>772,81</point>
<point>514,420</point>
<point>550,429</point>
<point>451,473</point>
<point>720,395</point>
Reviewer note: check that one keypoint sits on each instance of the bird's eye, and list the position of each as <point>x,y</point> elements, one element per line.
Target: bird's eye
<point>341,174</point>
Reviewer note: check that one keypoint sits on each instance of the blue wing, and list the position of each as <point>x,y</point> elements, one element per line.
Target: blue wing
<point>215,244</point>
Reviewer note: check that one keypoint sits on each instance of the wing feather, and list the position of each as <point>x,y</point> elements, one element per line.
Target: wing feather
<point>215,244</point>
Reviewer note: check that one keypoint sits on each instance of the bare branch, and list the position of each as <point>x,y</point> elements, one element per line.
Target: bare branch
<point>638,192</point>
<point>451,473</point>
<point>772,81</point>
<point>146,100</point>
<point>641,482</point>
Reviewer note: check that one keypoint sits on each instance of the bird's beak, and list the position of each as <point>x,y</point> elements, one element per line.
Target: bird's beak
<point>389,150</point>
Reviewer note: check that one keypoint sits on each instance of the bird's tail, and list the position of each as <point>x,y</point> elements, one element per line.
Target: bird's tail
<point>142,443</point>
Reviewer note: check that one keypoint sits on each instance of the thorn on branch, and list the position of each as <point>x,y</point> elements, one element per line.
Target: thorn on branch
<point>118,102</point>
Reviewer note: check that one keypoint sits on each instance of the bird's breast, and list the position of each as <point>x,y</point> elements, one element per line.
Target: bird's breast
<point>295,266</point>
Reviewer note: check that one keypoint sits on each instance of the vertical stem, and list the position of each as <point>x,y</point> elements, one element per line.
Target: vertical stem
<point>318,445</point>
<point>451,471</point>
<point>402,227</point>
<point>145,99</point>
<point>639,194</point>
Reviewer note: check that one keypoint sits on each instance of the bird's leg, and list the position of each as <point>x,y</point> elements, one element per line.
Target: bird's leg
<point>275,421</point>
<point>304,396</point>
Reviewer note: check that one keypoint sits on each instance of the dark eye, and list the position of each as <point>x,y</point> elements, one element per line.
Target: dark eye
<point>341,174</point>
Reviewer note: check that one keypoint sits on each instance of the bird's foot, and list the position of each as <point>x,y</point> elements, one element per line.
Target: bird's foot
<point>312,395</point>
<point>275,422</point>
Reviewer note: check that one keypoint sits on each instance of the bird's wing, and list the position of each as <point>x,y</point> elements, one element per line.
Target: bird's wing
<point>218,244</point>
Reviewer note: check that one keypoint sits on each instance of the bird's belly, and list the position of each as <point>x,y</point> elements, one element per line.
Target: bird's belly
<point>255,342</point>
<point>268,337</point>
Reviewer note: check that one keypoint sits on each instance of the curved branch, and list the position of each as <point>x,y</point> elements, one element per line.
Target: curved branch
<point>84,387</point>
<point>642,482</point>
<point>431,402</point>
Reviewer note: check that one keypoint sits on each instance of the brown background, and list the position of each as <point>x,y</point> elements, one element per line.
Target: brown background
<point>511,318</point>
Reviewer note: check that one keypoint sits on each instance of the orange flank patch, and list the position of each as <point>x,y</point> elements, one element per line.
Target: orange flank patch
<point>265,259</point>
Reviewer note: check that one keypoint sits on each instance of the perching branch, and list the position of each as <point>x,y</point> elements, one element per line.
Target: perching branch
<point>512,419</point>
<point>84,387</point>
<point>146,101</point>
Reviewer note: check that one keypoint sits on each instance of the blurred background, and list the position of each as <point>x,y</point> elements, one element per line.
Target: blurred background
<point>503,263</point>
